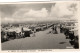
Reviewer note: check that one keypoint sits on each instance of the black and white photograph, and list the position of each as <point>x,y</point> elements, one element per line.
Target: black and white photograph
<point>39,25</point>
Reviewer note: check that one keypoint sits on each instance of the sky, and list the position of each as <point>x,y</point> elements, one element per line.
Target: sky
<point>36,12</point>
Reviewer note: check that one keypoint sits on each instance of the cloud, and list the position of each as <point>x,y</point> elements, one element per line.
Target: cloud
<point>37,14</point>
<point>30,13</point>
<point>20,13</point>
<point>24,14</point>
<point>15,20</point>
<point>61,10</point>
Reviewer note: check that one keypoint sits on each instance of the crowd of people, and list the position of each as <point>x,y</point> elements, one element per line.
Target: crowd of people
<point>69,30</point>
<point>22,32</point>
